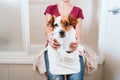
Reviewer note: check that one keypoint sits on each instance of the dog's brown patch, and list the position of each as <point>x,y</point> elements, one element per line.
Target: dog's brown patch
<point>73,21</point>
<point>68,22</point>
<point>50,23</point>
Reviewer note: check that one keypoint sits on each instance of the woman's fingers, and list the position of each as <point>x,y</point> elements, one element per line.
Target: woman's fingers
<point>74,45</point>
<point>54,43</point>
<point>73,48</point>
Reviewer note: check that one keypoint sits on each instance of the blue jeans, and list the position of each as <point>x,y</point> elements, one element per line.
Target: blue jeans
<point>76,76</point>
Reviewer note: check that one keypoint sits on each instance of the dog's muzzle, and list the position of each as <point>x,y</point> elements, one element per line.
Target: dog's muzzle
<point>62,33</point>
<point>69,52</point>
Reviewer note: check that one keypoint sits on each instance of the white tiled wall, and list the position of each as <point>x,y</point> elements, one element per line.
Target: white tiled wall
<point>25,72</point>
<point>21,72</point>
<point>4,72</point>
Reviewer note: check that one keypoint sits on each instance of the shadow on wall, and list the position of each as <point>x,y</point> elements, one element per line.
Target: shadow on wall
<point>90,25</point>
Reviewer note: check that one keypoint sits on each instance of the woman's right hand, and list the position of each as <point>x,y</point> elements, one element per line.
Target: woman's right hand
<point>52,41</point>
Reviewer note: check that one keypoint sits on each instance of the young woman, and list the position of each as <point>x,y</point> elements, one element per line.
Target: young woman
<point>64,8</point>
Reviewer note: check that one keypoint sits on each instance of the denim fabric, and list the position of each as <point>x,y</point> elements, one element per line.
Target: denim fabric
<point>76,76</point>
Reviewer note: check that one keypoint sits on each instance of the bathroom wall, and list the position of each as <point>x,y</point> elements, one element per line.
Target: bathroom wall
<point>37,37</point>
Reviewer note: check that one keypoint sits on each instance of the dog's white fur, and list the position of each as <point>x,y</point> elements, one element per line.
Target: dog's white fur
<point>60,54</point>
<point>69,36</point>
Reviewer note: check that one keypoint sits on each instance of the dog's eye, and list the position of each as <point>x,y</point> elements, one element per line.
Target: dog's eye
<point>56,25</point>
<point>67,24</point>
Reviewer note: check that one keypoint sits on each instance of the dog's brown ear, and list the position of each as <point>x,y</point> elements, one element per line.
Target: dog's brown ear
<point>51,22</point>
<point>73,21</point>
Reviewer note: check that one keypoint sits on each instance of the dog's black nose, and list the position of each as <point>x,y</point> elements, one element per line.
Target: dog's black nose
<point>62,33</point>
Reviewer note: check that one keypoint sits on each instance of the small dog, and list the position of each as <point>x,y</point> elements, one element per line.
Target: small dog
<point>63,31</point>
<point>63,58</point>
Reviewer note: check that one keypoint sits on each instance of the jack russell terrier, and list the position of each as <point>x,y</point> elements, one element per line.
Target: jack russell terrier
<point>63,60</point>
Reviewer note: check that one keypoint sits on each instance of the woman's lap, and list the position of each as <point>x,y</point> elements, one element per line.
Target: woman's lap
<point>76,76</point>
<point>80,75</point>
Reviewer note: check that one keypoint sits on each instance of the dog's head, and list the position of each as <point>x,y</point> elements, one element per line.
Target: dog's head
<point>62,25</point>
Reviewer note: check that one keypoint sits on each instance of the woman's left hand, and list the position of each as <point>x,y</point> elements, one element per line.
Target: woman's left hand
<point>74,45</point>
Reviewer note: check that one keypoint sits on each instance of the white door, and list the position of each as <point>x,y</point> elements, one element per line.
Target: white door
<point>113,26</point>
<point>112,41</point>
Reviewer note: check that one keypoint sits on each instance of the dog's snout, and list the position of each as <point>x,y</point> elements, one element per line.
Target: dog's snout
<point>62,33</point>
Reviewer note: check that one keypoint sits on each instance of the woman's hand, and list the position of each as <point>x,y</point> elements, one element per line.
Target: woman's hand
<point>74,45</point>
<point>52,41</point>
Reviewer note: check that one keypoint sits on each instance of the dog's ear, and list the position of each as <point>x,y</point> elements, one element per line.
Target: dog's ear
<point>51,22</point>
<point>73,21</point>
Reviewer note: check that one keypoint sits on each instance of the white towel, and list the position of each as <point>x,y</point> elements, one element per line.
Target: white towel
<point>61,62</point>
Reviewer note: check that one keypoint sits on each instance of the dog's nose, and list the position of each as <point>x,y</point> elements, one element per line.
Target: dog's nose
<point>62,33</point>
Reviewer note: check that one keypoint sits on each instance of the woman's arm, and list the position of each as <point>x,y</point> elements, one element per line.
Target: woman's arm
<point>78,30</point>
<point>48,29</point>
<point>74,45</point>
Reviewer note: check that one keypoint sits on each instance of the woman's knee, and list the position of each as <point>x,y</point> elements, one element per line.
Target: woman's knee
<point>55,77</point>
<point>77,76</point>
<point>74,77</point>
